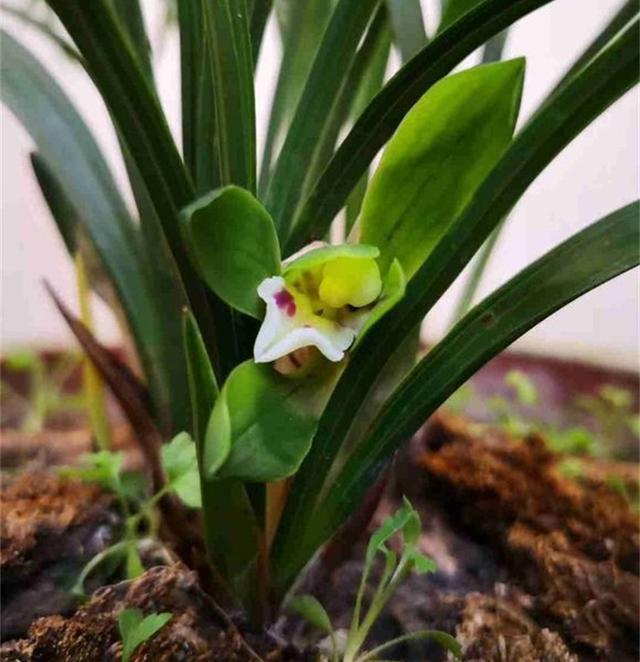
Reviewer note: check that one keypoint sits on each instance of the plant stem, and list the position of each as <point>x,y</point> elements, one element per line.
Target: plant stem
<point>92,382</point>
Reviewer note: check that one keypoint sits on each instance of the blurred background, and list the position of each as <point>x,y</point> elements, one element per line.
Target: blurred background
<point>597,173</point>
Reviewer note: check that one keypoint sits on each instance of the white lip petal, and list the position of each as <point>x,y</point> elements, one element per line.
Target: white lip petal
<point>282,333</point>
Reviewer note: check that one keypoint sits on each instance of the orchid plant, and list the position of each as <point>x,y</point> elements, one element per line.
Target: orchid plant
<point>277,331</point>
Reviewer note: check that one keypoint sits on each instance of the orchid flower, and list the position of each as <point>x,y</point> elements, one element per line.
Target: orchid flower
<point>321,300</point>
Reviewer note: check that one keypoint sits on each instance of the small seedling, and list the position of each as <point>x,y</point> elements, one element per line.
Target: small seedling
<point>135,629</point>
<point>46,394</point>
<point>141,523</point>
<point>397,567</point>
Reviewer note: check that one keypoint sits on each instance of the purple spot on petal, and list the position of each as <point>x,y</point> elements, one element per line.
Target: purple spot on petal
<point>285,302</point>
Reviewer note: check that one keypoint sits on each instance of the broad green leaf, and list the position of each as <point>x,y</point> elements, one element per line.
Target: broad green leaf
<point>135,629</point>
<point>602,251</point>
<point>333,59</point>
<point>231,66</point>
<point>301,26</point>
<point>181,465</point>
<point>259,432</point>
<point>408,26</point>
<point>203,388</point>
<point>311,610</point>
<point>387,109</point>
<point>233,244</point>
<point>598,85</point>
<point>441,152</point>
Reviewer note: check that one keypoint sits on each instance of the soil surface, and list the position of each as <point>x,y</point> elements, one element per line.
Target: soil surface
<point>531,566</point>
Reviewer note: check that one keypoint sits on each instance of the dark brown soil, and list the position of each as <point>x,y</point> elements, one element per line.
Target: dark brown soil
<point>48,530</point>
<point>198,630</point>
<point>531,566</point>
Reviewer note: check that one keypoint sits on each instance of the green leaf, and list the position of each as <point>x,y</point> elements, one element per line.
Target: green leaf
<point>77,175</point>
<point>376,38</point>
<point>61,208</point>
<point>388,108</point>
<point>420,563</point>
<point>44,28</point>
<point>203,388</point>
<point>455,9</point>
<point>181,465</point>
<point>591,257</point>
<point>525,390</point>
<point>199,137</point>
<point>603,81</point>
<point>130,15</point>
<point>311,610</point>
<point>333,59</point>
<point>408,27</point>
<point>135,629</point>
<point>134,563</point>
<point>442,151</point>
<point>390,527</point>
<point>140,122</point>
<point>302,25</point>
<point>231,67</point>
<point>258,430</point>
<point>103,468</point>
<point>259,16</point>
<point>233,244</point>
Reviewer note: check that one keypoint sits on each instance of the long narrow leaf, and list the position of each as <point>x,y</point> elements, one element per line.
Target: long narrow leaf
<point>302,25</point>
<point>130,14</point>
<point>408,27</point>
<point>334,57</point>
<point>385,112</point>
<point>599,84</point>
<point>259,15</point>
<point>70,155</point>
<point>139,120</point>
<point>376,39</point>
<point>44,29</point>
<point>231,66</point>
<point>493,50</point>
<point>604,250</point>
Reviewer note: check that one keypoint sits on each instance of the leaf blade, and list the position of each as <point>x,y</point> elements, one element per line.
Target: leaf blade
<point>385,112</point>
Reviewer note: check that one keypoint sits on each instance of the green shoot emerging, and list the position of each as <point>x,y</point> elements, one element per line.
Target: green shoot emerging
<point>398,565</point>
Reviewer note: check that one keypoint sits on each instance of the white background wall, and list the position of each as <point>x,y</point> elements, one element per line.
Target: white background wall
<point>597,173</point>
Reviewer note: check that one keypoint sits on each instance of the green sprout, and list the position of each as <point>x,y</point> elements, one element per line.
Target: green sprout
<point>135,629</point>
<point>405,524</point>
<point>46,395</point>
<point>105,468</point>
